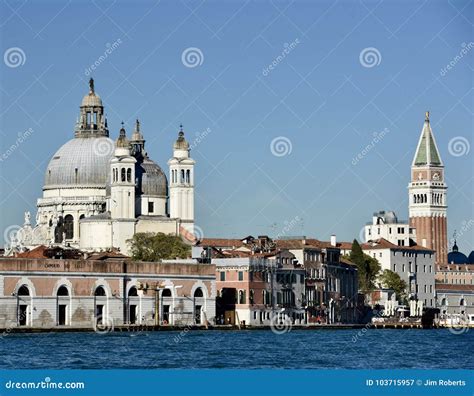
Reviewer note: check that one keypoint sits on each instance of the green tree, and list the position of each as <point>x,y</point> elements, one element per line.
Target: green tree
<point>156,247</point>
<point>368,268</point>
<point>391,280</point>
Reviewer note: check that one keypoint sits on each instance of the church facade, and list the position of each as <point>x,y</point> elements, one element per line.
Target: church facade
<point>98,193</point>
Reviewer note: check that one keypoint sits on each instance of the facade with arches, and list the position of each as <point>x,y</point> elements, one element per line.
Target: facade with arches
<point>56,293</point>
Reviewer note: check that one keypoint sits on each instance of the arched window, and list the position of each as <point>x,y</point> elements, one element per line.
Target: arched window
<point>462,303</point>
<point>188,176</point>
<point>251,296</point>
<point>133,292</point>
<point>167,293</point>
<point>182,175</point>
<point>100,292</point>
<point>123,174</point>
<point>198,292</point>
<point>241,296</point>
<point>69,226</point>
<point>129,175</point>
<point>24,291</point>
<point>62,291</point>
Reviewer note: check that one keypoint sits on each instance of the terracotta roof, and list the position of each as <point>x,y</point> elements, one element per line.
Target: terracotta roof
<point>37,252</point>
<point>106,256</point>
<point>384,244</point>
<point>303,243</point>
<point>450,287</point>
<point>220,242</point>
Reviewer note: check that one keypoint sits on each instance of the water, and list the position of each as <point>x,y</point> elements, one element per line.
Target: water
<point>250,349</point>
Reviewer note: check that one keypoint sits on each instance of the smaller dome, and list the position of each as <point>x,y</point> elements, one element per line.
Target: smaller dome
<point>181,143</point>
<point>91,100</point>
<point>151,179</point>
<point>457,258</point>
<point>470,259</point>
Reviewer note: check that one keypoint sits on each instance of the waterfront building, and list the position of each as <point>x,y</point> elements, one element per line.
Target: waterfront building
<point>386,225</point>
<point>428,195</point>
<point>106,289</point>
<point>259,289</point>
<point>415,265</point>
<point>330,282</point>
<point>98,193</point>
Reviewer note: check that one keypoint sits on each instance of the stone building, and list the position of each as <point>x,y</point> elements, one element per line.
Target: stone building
<point>386,225</point>
<point>98,193</point>
<point>55,293</point>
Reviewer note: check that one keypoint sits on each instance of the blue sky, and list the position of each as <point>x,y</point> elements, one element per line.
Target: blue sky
<point>323,96</point>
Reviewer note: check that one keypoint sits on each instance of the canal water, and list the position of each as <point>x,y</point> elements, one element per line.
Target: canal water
<point>249,349</point>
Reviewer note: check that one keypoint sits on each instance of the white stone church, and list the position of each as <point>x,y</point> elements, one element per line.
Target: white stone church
<point>98,193</point>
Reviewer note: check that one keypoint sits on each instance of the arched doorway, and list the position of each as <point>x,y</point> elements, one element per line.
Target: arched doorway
<point>100,303</point>
<point>62,306</point>
<point>198,305</point>
<point>133,303</point>
<point>23,306</point>
<point>167,300</point>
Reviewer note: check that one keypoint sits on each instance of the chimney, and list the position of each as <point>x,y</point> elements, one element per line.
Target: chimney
<point>333,240</point>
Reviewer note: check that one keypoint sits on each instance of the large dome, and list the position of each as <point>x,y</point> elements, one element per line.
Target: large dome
<point>81,162</point>
<point>151,179</point>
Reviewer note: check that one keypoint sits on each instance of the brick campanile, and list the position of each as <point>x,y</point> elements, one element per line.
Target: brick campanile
<point>427,195</point>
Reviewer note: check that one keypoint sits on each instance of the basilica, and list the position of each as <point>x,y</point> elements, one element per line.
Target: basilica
<point>98,193</point>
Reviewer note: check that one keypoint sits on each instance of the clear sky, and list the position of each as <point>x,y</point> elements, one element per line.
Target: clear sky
<point>342,73</point>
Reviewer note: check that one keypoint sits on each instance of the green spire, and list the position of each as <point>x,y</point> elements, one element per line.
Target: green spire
<point>427,151</point>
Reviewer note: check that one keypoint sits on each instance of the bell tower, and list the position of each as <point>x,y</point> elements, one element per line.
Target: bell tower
<point>427,195</point>
<point>122,183</point>
<point>181,185</point>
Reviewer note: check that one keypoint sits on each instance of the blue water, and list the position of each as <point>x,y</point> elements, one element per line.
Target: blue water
<point>250,349</point>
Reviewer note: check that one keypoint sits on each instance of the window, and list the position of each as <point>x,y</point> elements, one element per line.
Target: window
<point>123,174</point>
<point>403,267</point>
<point>151,207</point>
<point>69,226</point>
<point>394,267</point>
<point>241,296</point>
<point>424,268</point>
<point>129,175</point>
<point>431,288</point>
<point>241,276</point>
<point>425,289</point>
<point>222,276</point>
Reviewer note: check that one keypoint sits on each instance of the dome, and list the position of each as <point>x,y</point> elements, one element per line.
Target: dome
<point>181,143</point>
<point>470,259</point>
<point>457,258</point>
<point>151,179</point>
<point>81,161</point>
<point>91,100</point>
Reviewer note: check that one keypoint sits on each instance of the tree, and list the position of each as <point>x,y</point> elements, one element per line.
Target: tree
<point>368,268</point>
<point>391,280</point>
<point>155,247</point>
